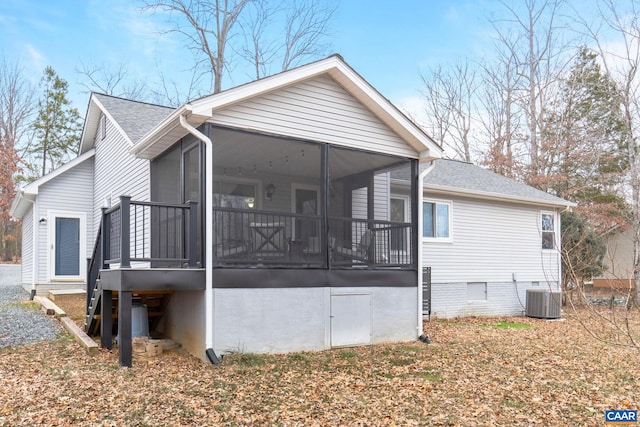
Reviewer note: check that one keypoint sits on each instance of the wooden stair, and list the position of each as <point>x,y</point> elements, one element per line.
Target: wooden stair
<point>156,302</point>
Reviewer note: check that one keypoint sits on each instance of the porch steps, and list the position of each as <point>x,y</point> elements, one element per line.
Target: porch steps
<point>92,324</point>
<point>156,302</point>
<point>64,295</point>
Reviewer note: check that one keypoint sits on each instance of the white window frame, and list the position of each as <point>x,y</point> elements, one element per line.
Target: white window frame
<point>407,215</point>
<point>555,230</point>
<point>297,186</point>
<point>449,203</point>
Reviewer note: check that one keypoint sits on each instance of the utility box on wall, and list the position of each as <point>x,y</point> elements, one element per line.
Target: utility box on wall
<point>543,304</point>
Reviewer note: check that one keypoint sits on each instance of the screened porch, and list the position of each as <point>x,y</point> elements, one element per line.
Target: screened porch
<point>286,203</point>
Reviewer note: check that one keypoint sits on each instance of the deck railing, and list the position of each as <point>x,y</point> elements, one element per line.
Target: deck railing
<point>151,232</point>
<point>165,235</point>
<point>266,238</point>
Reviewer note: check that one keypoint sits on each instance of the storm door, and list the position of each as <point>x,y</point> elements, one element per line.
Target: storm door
<point>67,246</point>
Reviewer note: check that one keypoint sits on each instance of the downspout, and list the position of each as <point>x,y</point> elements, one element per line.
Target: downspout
<point>34,242</point>
<point>208,220</point>
<point>421,177</point>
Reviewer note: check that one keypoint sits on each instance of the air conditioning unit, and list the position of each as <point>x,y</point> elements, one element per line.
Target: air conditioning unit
<point>543,304</point>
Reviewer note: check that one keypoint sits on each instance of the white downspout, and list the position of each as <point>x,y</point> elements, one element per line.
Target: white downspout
<point>34,249</point>
<point>421,177</point>
<point>208,220</point>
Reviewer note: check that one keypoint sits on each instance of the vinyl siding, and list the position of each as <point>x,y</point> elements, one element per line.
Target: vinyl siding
<point>380,199</point>
<point>490,241</point>
<point>70,192</point>
<point>119,173</point>
<point>317,110</point>
<point>27,247</point>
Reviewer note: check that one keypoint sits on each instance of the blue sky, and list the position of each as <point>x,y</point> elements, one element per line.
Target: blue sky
<point>388,43</point>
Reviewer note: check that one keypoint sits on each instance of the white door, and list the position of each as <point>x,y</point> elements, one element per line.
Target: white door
<point>67,244</point>
<point>399,238</point>
<point>350,319</point>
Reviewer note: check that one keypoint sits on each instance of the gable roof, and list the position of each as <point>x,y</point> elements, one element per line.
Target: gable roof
<point>455,177</point>
<point>132,118</point>
<point>28,193</point>
<point>198,111</point>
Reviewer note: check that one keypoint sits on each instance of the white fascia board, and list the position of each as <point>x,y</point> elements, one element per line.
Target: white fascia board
<point>92,121</point>
<point>160,130</point>
<point>21,204</point>
<point>204,108</point>
<point>487,195</point>
<point>385,110</point>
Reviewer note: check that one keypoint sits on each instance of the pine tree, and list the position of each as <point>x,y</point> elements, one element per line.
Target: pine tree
<point>57,127</point>
<point>583,150</point>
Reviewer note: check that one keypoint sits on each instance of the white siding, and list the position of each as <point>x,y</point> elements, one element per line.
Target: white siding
<point>117,172</point>
<point>316,110</point>
<point>27,246</point>
<point>490,242</point>
<point>71,191</point>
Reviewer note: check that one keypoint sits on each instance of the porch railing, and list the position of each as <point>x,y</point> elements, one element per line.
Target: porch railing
<point>254,237</point>
<point>151,232</point>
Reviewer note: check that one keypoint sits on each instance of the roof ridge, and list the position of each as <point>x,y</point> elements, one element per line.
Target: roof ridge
<point>133,100</point>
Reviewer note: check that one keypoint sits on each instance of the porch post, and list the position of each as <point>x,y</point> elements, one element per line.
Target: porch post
<point>371,216</point>
<point>415,188</point>
<point>125,230</point>
<point>193,233</point>
<point>106,239</point>
<point>324,197</point>
<point>124,329</point>
<point>106,320</point>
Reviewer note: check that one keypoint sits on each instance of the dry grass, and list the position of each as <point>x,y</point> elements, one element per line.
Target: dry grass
<point>551,374</point>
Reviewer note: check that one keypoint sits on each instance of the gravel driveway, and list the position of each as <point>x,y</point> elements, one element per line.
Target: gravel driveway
<point>20,323</point>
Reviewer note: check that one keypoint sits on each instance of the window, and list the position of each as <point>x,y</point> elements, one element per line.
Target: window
<point>436,217</point>
<point>230,194</point>
<point>399,213</point>
<point>548,231</point>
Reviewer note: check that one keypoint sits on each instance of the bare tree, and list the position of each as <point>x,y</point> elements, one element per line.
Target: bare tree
<point>258,49</point>
<point>531,42</point>
<point>307,23</point>
<point>17,107</point>
<point>621,61</point>
<point>287,31</point>
<point>116,81</point>
<point>207,26</point>
<point>450,96</point>
<point>501,118</point>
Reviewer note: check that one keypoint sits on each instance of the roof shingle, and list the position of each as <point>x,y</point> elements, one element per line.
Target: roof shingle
<point>135,118</point>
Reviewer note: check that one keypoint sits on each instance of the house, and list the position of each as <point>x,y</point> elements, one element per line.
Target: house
<point>487,239</point>
<point>259,217</point>
<point>618,260</point>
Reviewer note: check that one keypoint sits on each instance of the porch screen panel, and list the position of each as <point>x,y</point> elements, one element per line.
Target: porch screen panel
<point>360,208</point>
<point>67,256</point>
<point>267,200</point>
